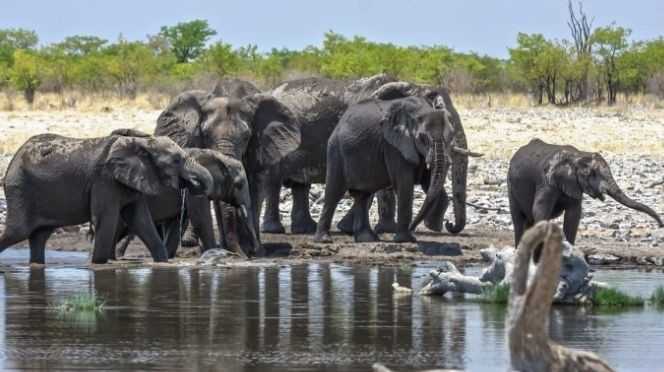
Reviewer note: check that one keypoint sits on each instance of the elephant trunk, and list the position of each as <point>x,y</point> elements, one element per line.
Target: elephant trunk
<point>618,195</point>
<point>459,177</point>
<point>248,218</point>
<point>197,178</point>
<point>436,185</point>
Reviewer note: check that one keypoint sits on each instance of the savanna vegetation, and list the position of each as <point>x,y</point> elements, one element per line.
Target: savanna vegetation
<point>595,64</point>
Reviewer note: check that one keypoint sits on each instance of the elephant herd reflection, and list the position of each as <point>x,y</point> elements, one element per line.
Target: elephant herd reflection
<point>299,316</point>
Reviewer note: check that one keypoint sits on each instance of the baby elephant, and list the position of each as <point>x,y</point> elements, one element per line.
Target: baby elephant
<point>546,180</point>
<point>230,186</point>
<point>55,181</point>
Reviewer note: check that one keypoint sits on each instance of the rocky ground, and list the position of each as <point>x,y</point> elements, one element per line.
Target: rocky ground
<point>631,140</point>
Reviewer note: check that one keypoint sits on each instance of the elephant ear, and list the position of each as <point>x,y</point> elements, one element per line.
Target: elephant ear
<point>399,130</point>
<point>561,173</point>
<point>130,164</point>
<point>275,130</point>
<point>181,120</point>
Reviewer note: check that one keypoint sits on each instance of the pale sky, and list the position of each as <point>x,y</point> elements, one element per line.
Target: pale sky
<point>484,26</point>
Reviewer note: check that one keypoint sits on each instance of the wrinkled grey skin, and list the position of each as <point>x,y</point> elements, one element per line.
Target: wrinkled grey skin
<point>318,104</point>
<point>229,185</point>
<point>256,129</point>
<point>380,144</point>
<point>99,180</point>
<point>545,181</point>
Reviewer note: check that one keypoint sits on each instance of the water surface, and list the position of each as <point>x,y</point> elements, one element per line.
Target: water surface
<point>316,317</point>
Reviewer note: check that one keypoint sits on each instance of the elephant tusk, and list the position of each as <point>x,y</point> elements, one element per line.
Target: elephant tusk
<point>466,152</point>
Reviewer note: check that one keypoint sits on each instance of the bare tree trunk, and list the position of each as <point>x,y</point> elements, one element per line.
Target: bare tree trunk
<point>531,349</point>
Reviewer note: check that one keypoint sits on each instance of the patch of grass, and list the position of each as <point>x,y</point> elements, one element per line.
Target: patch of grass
<point>81,303</point>
<point>657,297</point>
<point>497,294</point>
<point>615,298</point>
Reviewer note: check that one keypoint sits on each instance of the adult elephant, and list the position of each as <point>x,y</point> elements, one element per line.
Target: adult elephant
<point>257,130</point>
<point>318,104</point>
<point>545,180</point>
<point>378,144</point>
<point>55,181</point>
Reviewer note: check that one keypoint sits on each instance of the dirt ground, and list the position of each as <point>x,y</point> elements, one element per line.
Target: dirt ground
<point>632,140</point>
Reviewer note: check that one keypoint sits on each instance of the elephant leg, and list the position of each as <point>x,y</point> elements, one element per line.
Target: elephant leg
<point>105,221</point>
<point>172,236</point>
<point>229,226</point>
<point>347,221</point>
<point>198,212</point>
<point>345,225</point>
<point>272,218</point>
<point>518,221</point>
<point>140,221</point>
<point>403,184</point>
<point>386,212</point>
<point>38,240</point>
<point>301,221</point>
<point>334,191</point>
<point>361,227</point>
<point>571,221</point>
<point>121,233</point>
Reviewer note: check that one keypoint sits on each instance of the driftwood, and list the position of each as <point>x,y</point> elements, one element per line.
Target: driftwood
<point>575,285</point>
<point>530,347</point>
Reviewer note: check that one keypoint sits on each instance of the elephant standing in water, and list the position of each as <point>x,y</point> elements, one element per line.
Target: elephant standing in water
<point>55,181</point>
<point>379,144</point>
<point>318,104</point>
<point>257,130</point>
<point>229,185</point>
<point>545,180</point>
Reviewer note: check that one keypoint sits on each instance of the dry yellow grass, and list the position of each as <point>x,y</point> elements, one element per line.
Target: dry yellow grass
<point>633,126</point>
<point>83,102</point>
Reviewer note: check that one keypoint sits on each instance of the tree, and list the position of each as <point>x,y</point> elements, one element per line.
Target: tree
<point>581,31</point>
<point>81,45</point>
<point>611,43</point>
<point>15,38</point>
<point>27,73</point>
<point>128,64</point>
<point>187,39</point>
<point>526,58</point>
<point>221,60</point>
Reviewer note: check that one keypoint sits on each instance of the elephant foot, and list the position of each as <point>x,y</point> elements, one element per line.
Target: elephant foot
<point>346,224</point>
<point>386,227</point>
<point>366,236</point>
<point>273,227</point>
<point>189,239</point>
<point>404,237</point>
<point>323,237</point>
<point>304,227</point>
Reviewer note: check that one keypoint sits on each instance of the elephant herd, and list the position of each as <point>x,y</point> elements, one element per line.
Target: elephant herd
<point>237,147</point>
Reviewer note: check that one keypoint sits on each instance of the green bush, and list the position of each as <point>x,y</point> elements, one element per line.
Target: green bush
<point>611,297</point>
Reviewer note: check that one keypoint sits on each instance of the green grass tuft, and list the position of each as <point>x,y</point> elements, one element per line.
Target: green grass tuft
<point>84,302</point>
<point>657,297</point>
<point>497,294</point>
<point>615,298</point>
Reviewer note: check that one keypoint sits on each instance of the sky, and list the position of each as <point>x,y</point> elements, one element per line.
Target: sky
<point>483,26</point>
